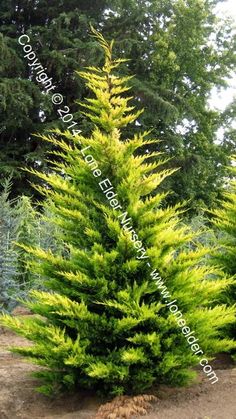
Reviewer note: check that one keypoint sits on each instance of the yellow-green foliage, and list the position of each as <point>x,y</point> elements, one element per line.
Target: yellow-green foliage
<point>225,222</point>
<point>103,324</point>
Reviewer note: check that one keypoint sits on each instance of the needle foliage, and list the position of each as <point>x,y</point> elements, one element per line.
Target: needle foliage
<point>101,323</point>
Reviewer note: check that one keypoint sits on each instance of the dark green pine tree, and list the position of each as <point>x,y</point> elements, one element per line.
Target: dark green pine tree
<point>59,37</point>
<point>102,324</point>
<point>172,83</point>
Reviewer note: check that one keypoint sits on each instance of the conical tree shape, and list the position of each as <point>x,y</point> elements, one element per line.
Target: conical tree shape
<point>104,324</point>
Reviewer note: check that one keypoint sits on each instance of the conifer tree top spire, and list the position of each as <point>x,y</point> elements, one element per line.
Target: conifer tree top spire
<point>109,109</point>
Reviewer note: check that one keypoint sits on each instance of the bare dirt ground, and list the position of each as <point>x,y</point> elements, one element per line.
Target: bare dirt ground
<point>18,398</point>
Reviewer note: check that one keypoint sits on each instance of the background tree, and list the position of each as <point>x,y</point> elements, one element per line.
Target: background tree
<point>20,222</point>
<point>102,323</point>
<point>8,254</point>
<point>59,37</point>
<point>178,51</point>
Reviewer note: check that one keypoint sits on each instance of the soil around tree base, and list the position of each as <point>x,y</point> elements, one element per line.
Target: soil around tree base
<point>18,398</point>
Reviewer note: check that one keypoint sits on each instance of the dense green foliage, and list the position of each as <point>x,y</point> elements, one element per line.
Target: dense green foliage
<point>102,323</point>
<point>225,222</point>
<point>178,51</point>
<point>58,34</point>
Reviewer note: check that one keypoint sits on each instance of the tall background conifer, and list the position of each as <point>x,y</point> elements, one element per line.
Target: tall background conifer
<point>178,51</point>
